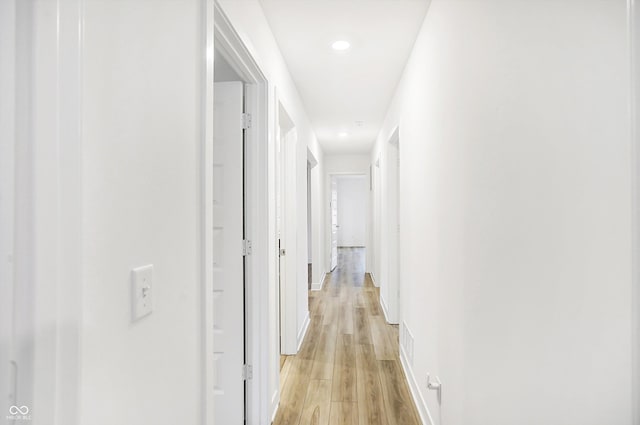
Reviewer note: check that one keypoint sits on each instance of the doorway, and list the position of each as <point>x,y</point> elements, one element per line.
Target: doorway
<point>228,230</point>
<point>309,227</point>
<point>286,227</point>
<point>390,286</point>
<point>236,221</point>
<point>349,215</point>
<point>333,213</point>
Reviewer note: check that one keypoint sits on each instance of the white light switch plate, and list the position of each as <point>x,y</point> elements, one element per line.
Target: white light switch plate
<point>142,291</point>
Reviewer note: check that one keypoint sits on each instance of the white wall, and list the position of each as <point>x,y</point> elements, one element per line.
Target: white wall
<point>353,210</point>
<point>141,205</point>
<point>342,165</point>
<point>515,185</point>
<point>248,19</point>
<point>109,176</point>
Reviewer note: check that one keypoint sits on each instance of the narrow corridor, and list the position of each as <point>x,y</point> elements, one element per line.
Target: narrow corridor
<point>347,370</point>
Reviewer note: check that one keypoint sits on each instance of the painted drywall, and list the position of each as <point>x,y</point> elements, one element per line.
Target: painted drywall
<point>249,21</point>
<point>141,204</point>
<point>222,71</point>
<point>516,187</point>
<point>353,210</point>
<point>342,165</point>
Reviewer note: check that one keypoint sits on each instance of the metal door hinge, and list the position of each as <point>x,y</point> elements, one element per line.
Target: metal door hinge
<point>246,121</point>
<point>247,372</point>
<point>246,247</point>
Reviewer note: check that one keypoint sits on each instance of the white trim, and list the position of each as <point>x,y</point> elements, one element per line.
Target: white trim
<point>233,49</point>
<point>421,405</point>
<point>311,158</point>
<point>8,365</point>
<point>206,219</point>
<point>286,162</point>
<point>51,154</point>
<point>373,279</point>
<point>275,405</point>
<point>317,286</point>
<point>383,306</point>
<point>303,330</point>
<point>390,225</point>
<point>634,108</point>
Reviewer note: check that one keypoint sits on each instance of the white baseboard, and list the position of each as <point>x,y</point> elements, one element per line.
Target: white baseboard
<point>373,279</point>
<point>421,405</point>
<point>317,286</point>
<point>303,331</point>
<point>383,305</point>
<point>275,404</point>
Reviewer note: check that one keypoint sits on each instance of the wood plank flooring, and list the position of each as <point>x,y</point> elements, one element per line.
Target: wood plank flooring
<point>347,371</point>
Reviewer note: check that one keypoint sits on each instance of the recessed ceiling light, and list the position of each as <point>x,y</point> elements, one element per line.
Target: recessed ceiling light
<point>341,45</point>
<point>343,134</point>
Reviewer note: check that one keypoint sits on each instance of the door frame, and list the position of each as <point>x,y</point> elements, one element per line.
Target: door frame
<point>220,35</point>
<point>390,242</point>
<point>317,267</point>
<point>333,180</point>
<point>44,169</point>
<point>287,279</point>
<point>376,221</point>
<point>633,27</point>
<point>8,366</point>
<point>367,236</point>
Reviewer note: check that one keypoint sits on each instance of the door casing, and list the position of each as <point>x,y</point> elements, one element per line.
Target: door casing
<point>286,138</point>
<point>220,35</point>
<point>633,13</point>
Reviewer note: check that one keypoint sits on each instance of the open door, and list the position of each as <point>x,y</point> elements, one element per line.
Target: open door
<point>334,223</point>
<point>228,260</point>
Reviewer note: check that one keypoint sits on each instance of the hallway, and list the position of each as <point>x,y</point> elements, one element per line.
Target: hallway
<point>347,370</point>
<point>176,177</point>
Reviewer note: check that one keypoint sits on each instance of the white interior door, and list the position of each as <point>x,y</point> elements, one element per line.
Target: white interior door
<point>334,223</point>
<point>228,261</point>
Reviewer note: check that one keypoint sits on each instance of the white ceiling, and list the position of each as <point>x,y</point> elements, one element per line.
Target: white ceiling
<point>340,88</point>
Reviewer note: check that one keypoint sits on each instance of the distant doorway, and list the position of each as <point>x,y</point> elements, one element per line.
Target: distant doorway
<point>349,214</point>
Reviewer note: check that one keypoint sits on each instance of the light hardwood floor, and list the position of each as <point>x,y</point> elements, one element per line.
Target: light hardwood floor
<point>348,370</point>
